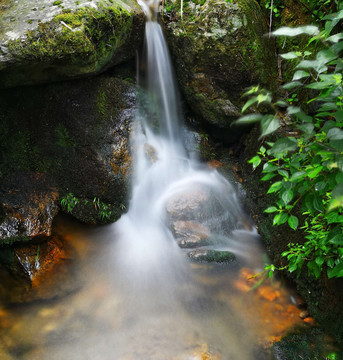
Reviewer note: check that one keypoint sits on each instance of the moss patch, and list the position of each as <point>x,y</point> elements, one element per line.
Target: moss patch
<point>86,35</point>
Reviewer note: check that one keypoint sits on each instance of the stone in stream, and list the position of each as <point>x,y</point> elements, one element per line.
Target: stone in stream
<point>36,271</point>
<point>190,234</point>
<point>48,41</point>
<point>216,256</point>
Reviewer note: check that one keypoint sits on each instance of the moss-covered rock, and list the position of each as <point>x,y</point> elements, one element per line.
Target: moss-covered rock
<point>76,134</point>
<point>54,41</point>
<point>219,49</point>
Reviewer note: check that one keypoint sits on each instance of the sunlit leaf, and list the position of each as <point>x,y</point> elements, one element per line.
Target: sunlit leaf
<point>249,119</point>
<point>287,31</point>
<point>275,187</point>
<point>271,209</point>
<point>269,124</point>
<point>335,134</point>
<point>337,198</point>
<point>290,55</point>
<point>300,74</point>
<point>335,38</point>
<point>249,103</point>
<point>297,176</point>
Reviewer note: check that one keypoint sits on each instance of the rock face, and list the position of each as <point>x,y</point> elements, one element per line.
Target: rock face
<point>75,134</point>
<point>28,207</point>
<point>44,41</point>
<point>219,49</point>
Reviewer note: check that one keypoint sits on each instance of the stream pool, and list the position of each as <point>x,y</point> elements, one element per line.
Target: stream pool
<point>218,311</point>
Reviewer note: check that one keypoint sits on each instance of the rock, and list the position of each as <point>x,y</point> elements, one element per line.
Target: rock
<point>190,234</point>
<point>36,271</point>
<point>219,49</point>
<point>187,205</point>
<point>76,134</point>
<point>52,41</point>
<point>211,256</point>
<point>28,207</point>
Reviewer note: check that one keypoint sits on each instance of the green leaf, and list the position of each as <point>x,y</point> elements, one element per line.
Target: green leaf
<point>255,161</point>
<point>269,124</point>
<point>337,271</point>
<point>249,119</point>
<point>337,240</point>
<point>293,222</point>
<point>280,219</point>
<point>287,31</point>
<point>335,38</point>
<point>271,209</point>
<point>335,134</point>
<point>275,187</point>
<point>290,55</point>
<point>298,176</point>
<point>300,74</point>
<point>283,146</point>
<point>314,269</point>
<point>291,85</point>
<point>268,167</point>
<point>249,103</point>
<point>268,176</point>
<point>319,260</point>
<point>314,172</point>
<point>287,196</point>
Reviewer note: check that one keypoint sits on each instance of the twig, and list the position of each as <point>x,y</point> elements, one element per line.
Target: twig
<point>67,26</point>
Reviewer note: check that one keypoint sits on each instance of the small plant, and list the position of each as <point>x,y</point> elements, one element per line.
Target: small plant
<point>307,166</point>
<point>69,202</point>
<point>104,209</point>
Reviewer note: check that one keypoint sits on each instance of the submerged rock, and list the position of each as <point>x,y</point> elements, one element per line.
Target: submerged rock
<point>76,134</point>
<point>36,271</point>
<point>190,234</point>
<point>217,256</point>
<point>28,206</point>
<point>47,41</point>
<point>219,49</point>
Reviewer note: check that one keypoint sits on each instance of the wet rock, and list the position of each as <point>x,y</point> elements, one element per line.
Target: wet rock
<point>219,50</point>
<point>187,205</point>
<point>52,41</point>
<point>190,234</point>
<point>36,271</point>
<point>75,133</point>
<point>306,345</point>
<point>216,256</point>
<point>28,206</point>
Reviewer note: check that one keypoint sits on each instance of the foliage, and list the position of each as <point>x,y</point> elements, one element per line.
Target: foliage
<point>69,202</point>
<point>105,212</point>
<point>307,164</point>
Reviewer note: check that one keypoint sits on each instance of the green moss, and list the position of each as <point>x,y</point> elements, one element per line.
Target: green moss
<point>101,103</point>
<point>87,35</point>
<point>57,2</point>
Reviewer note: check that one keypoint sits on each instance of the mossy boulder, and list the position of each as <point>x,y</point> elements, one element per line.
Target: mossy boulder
<point>75,134</point>
<point>219,49</point>
<point>65,39</point>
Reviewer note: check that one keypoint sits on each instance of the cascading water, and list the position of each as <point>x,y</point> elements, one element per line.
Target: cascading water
<point>170,190</point>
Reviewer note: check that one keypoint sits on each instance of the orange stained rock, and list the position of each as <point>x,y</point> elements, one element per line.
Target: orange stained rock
<point>214,164</point>
<point>268,293</point>
<point>310,321</point>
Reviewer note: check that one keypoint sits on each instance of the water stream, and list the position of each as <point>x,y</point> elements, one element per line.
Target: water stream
<point>137,294</point>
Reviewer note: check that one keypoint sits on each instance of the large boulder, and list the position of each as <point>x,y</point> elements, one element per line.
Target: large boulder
<point>46,41</point>
<point>219,49</point>
<point>75,135</point>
